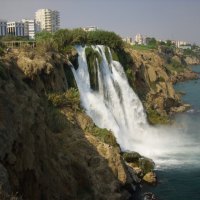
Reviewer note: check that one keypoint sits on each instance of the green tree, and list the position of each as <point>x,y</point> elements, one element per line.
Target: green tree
<point>151,41</point>
<point>45,42</point>
<point>63,37</point>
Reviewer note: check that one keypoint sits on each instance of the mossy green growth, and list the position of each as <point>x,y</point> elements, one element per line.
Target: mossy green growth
<point>155,118</point>
<point>114,55</point>
<point>70,98</point>
<point>144,163</point>
<point>130,76</point>
<point>131,157</point>
<point>70,77</point>
<point>72,55</point>
<point>92,56</point>
<point>57,99</point>
<point>160,79</point>
<point>143,47</point>
<point>174,65</point>
<point>103,135</point>
<point>73,98</point>
<point>107,55</point>
<point>126,61</point>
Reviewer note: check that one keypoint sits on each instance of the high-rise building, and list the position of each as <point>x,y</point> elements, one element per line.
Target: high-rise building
<point>48,20</point>
<point>15,28</point>
<point>3,27</point>
<point>29,28</point>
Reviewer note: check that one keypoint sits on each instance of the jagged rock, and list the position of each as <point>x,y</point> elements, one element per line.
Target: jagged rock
<point>146,164</point>
<point>191,60</point>
<point>150,178</point>
<point>152,74</point>
<point>149,196</point>
<point>180,108</point>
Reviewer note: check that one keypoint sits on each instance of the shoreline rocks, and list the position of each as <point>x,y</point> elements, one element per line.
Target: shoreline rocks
<point>150,178</point>
<point>184,76</point>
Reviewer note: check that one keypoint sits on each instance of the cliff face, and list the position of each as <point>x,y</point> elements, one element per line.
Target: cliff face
<point>49,152</point>
<point>154,74</point>
<point>153,85</point>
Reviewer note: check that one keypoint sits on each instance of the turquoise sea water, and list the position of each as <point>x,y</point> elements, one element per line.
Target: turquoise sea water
<point>181,180</point>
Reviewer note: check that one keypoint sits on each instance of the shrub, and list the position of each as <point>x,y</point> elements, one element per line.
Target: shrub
<point>131,157</point>
<point>106,38</point>
<point>14,38</point>
<point>105,136</point>
<point>79,37</point>
<point>45,42</point>
<point>57,100</point>
<point>144,163</point>
<point>73,98</point>
<point>65,37</point>
<point>70,98</point>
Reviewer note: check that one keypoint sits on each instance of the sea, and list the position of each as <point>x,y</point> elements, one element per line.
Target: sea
<point>179,177</point>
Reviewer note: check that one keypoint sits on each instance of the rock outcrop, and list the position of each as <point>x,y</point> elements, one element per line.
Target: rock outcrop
<point>192,60</point>
<point>150,178</point>
<point>153,85</point>
<point>154,74</point>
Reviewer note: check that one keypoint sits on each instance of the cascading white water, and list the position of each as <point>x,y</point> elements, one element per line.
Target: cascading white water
<point>116,107</point>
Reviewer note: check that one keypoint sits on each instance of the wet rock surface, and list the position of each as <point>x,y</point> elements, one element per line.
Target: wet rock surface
<point>149,196</point>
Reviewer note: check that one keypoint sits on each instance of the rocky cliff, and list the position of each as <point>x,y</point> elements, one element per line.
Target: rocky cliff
<point>152,75</point>
<point>49,149</point>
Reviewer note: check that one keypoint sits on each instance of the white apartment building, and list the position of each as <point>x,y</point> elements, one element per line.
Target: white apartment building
<point>48,20</point>
<point>90,28</point>
<point>3,28</point>
<point>139,39</point>
<point>180,43</point>
<point>128,40</point>
<point>15,28</point>
<point>29,28</point>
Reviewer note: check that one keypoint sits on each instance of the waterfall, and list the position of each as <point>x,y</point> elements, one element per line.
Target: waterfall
<point>115,106</point>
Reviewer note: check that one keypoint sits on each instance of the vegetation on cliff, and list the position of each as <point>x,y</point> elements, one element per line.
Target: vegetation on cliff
<point>65,37</point>
<point>93,59</point>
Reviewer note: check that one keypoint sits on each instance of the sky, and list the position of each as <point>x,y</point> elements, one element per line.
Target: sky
<point>162,19</point>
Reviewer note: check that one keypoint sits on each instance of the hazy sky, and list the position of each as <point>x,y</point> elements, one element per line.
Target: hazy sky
<point>163,19</point>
